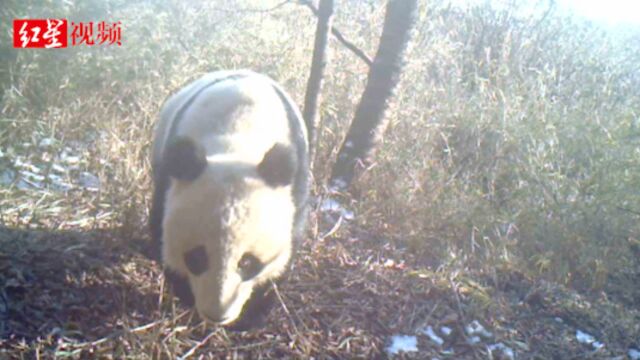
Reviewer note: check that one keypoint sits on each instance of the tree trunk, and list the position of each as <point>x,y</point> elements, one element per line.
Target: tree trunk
<point>318,64</point>
<point>369,123</point>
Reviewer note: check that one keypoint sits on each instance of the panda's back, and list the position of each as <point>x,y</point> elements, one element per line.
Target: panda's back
<point>237,114</point>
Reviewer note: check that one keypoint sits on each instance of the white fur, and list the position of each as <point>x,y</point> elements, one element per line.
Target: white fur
<point>237,122</point>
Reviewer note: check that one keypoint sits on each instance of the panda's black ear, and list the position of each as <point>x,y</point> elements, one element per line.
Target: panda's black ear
<point>184,159</point>
<point>278,166</point>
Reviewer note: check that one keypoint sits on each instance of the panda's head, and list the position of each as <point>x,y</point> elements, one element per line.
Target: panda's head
<point>227,226</point>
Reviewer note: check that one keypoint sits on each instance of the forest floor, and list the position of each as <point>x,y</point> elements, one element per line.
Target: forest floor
<point>501,119</point>
<point>91,294</point>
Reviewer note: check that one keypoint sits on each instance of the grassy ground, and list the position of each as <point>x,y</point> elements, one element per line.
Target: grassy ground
<point>505,192</point>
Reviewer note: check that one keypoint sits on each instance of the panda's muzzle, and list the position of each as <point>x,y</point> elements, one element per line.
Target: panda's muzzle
<point>223,313</point>
<point>220,320</point>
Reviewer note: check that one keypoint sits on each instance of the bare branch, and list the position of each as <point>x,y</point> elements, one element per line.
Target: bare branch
<point>349,45</point>
<point>253,10</point>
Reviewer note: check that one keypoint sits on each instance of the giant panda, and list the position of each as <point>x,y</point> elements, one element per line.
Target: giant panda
<point>231,180</point>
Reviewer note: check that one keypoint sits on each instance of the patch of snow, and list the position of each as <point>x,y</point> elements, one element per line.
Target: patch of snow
<point>26,166</point>
<point>634,354</point>
<point>46,142</point>
<point>32,176</point>
<point>338,185</point>
<point>584,338</point>
<point>447,352</point>
<point>506,351</point>
<point>7,177</point>
<point>70,159</point>
<point>24,184</point>
<point>588,339</point>
<point>330,204</point>
<point>475,328</point>
<point>446,331</point>
<point>333,206</point>
<point>428,331</point>
<point>474,340</point>
<point>58,168</point>
<point>58,183</point>
<point>403,343</point>
<point>89,181</point>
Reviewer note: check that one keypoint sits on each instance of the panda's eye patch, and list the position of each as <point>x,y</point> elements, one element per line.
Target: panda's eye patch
<point>249,266</point>
<point>197,260</point>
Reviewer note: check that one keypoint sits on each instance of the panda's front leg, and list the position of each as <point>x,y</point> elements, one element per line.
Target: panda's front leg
<point>156,215</point>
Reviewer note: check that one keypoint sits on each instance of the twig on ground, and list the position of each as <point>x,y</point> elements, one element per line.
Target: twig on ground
<point>335,228</point>
<point>198,345</point>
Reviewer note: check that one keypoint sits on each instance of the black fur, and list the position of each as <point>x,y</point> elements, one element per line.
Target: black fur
<point>180,287</point>
<point>255,311</point>
<point>156,214</point>
<point>249,266</point>
<point>278,166</point>
<point>184,159</point>
<point>197,260</point>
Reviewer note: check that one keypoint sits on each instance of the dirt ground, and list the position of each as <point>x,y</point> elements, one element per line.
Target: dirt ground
<point>95,295</point>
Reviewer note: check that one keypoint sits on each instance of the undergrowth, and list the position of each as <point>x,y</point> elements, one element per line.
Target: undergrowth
<point>515,136</point>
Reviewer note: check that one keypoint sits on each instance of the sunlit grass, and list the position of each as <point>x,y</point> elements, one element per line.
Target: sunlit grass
<point>514,143</point>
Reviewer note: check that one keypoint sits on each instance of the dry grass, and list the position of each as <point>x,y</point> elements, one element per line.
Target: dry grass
<point>505,191</point>
<point>89,295</point>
